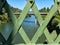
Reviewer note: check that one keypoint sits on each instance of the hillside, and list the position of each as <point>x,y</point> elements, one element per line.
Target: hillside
<point>4,15</point>
<point>15,9</point>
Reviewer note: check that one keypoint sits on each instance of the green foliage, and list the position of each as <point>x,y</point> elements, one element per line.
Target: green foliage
<point>44,10</point>
<point>4,16</point>
<point>15,9</point>
<point>48,9</point>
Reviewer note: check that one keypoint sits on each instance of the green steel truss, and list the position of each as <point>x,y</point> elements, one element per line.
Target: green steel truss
<point>51,38</point>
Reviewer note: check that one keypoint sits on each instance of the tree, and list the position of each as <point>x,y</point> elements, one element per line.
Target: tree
<point>48,9</point>
<point>43,10</point>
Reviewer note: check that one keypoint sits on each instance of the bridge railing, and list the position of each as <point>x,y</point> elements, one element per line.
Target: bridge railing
<point>41,35</point>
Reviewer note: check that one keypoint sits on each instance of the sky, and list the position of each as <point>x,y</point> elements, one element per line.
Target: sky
<point>20,4</point>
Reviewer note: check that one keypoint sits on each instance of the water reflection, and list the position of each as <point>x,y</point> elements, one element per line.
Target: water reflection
<point>30,22</point>
<point>30,26</point>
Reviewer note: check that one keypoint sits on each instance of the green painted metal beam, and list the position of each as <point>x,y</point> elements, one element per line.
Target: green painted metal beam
<point>21,18</point>
<point>24,36</point>
<point>46,21</point>
<point>17,22</point>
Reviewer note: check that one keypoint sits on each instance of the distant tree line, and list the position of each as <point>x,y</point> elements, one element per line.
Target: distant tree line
<point>2,18</point>
<point>44,9</point>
